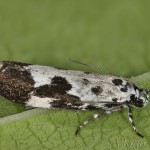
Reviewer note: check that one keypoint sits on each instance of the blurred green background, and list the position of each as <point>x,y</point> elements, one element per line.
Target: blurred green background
<point>112,34</point>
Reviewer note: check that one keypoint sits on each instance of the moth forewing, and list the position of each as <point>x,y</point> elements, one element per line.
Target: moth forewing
<point>55,88</point>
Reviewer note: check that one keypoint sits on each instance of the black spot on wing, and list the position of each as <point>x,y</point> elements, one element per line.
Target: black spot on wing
<point>66,101</point>
<point>44,91</point>
<point>111,105</point>
<point>114,99</point>
<point>91,107</point>
<point>124,89</point>
<point>117,82</point>
<point>86,81</point>
<point>59,85</point>
<point>71,103</point>
<point>97,90</point>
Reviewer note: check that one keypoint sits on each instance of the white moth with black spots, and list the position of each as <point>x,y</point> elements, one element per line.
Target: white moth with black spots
<point>54,88</point>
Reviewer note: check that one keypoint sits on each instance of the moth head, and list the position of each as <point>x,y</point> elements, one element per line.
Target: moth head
<point>143,96</point>
<point>141,99</point>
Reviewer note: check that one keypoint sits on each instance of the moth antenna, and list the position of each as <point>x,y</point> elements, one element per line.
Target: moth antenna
<point>89,65</point>
<point>84,64</point>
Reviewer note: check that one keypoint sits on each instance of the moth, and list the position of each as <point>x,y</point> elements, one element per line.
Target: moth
<point>55,88</point>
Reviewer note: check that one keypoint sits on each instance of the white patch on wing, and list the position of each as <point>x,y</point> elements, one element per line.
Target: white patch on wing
<point>81,90</point>
<point>35,101</point>
<point>40,74</point>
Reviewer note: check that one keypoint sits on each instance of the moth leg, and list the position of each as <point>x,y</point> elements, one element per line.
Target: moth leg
<point>132,122</point>
<point>97,116</point>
